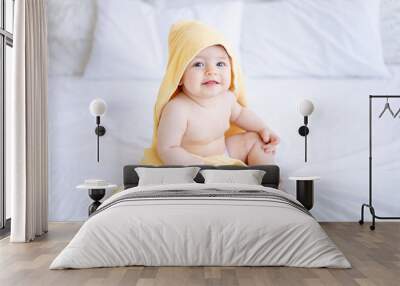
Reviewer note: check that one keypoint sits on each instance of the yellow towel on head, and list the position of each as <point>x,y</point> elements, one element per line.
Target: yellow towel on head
<point>186,39</point>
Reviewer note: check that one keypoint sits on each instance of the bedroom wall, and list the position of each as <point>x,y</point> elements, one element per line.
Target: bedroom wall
<point>338,142</point>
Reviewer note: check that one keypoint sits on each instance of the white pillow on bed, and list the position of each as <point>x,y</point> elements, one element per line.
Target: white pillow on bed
<point>248,177</point>
<point>225,17</point>
<point>70,26</point>
<point>336,38</point>
<point>162,176</point>
<point>131,36</point>
<point>126,42</point>
<point>390,27</point>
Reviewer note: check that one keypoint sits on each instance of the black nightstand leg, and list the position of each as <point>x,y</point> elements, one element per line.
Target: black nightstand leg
<point>93,207</point>
<point>96,195</point>
<point>305,193</point>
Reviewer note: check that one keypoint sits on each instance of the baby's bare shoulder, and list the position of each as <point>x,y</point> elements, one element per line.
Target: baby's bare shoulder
<point>176,105</point>
<point>179,101</point>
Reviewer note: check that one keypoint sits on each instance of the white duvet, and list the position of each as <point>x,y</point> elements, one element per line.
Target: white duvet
<point>183,231</point>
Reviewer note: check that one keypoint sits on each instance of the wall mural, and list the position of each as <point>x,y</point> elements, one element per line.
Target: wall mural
<point>182,98</point>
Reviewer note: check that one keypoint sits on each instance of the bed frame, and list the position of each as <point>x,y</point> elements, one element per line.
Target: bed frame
<point>270,179</point>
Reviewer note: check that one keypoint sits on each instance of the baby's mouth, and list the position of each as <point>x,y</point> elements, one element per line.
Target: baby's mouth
<point>210,82</point>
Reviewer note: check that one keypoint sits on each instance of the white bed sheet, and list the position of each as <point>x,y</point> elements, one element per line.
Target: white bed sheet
<point>338,141</point>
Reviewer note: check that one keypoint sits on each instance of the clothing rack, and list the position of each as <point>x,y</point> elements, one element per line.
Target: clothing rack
<point>369,205</point>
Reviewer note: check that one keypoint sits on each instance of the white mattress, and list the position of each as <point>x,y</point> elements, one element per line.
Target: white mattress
<point>338,142</point>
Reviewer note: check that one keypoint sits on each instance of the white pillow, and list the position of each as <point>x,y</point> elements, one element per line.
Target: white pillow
<point>248,177</point>
<point>70,26</point>
<point>390,27</point>
<point>162,176</point>
<point>225,17</point>
<point>336,38</point>
<point>126,43</point>
<point>131,36</point>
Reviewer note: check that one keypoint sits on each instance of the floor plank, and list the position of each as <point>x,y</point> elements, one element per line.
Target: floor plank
<point>374,255</point>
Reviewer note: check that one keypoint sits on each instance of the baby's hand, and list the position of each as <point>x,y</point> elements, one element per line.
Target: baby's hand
<point>270,139</point>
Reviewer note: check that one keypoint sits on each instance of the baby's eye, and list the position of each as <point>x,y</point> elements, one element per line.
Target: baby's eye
<point>198,64</point>
<point>221,64</point>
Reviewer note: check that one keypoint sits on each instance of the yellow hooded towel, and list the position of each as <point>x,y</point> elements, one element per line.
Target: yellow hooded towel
<point>186,39</point>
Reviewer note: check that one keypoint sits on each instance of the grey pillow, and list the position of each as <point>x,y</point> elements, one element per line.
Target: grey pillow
<point>248,177</point>
<point>162,176</point>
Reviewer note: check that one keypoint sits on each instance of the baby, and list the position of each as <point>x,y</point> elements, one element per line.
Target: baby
<point>196,119</point>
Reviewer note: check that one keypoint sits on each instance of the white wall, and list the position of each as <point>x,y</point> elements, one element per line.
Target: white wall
<point>338,142</point>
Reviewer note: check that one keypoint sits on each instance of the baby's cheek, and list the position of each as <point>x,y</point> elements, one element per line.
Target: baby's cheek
<point>226,85</point>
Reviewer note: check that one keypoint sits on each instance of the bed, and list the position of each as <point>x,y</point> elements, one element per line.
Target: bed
<point>201,224</point>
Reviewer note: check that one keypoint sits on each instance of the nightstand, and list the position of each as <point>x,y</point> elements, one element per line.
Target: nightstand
<point>305,190</point>
<point>96,193</point>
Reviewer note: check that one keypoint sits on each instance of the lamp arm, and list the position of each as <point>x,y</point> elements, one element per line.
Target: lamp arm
<point>305,148</point>
<point>98,145</point>
<point>98,136</point>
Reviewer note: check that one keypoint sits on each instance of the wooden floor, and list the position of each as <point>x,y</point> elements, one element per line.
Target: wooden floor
<point>374,255</point>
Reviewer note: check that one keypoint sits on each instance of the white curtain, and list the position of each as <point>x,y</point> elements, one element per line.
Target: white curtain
<point>26,119</point>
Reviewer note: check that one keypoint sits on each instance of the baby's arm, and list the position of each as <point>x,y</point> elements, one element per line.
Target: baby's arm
<point>245,118</point>
<point>248,120</point>
<point>171,129</point>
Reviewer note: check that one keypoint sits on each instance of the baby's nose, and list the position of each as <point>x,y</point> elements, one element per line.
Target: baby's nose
<point>211,72</point>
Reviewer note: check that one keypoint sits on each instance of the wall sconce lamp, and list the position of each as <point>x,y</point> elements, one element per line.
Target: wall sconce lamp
<point>306,107</point>
<point>97,108</point>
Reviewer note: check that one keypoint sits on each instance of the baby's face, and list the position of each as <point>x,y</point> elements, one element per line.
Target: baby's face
<point>208,74</point>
